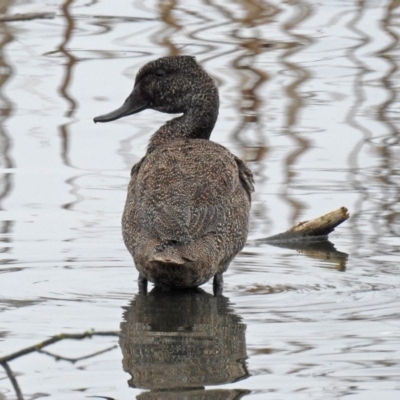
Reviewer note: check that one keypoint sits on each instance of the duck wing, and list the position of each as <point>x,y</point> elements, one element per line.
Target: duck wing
<point>246,176</point>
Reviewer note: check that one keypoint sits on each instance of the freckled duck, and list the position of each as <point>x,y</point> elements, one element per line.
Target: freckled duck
<point>187,209</point>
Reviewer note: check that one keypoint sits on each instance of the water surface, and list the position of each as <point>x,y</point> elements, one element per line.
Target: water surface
<point>309,97</point>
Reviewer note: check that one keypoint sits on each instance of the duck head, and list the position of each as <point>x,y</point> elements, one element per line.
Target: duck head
<point>171,85</point>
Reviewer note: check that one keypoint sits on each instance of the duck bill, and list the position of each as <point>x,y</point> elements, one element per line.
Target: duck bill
<point>133,104</point>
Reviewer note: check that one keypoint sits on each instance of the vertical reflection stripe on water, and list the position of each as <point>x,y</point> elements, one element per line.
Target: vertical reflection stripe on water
<point>6,161</point>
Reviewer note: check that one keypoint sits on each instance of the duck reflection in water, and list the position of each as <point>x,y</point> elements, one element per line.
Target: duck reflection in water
<point>176,342</point>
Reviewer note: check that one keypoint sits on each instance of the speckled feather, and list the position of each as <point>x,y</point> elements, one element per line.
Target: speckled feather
<point>187,210</point>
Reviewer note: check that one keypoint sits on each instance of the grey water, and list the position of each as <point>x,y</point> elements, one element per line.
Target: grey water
<point>309,98</point>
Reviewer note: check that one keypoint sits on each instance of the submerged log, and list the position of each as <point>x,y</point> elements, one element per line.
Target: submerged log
<point>314,230</point>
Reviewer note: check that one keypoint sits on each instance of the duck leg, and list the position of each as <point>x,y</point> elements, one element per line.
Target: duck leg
<point>218,284</point>
<point>142,284</point>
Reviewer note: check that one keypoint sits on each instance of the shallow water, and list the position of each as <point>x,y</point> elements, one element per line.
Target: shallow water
<point>309,97</point>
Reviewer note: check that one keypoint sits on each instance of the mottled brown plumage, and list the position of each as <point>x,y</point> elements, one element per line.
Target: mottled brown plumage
<point>187,209</point>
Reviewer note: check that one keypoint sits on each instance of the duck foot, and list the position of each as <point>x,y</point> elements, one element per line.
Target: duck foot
<point>218,284</point>
<point>142,284</point>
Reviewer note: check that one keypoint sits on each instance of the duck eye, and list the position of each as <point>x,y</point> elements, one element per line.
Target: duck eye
<point>160,73</point>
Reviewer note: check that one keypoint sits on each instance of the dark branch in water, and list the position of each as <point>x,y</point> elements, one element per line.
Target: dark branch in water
<point>39,348</point>
<point>52,340</point>
<point>13,380</point>
<point>74,360</point>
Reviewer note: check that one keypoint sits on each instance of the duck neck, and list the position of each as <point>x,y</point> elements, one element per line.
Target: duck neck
<point>196,123</point>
